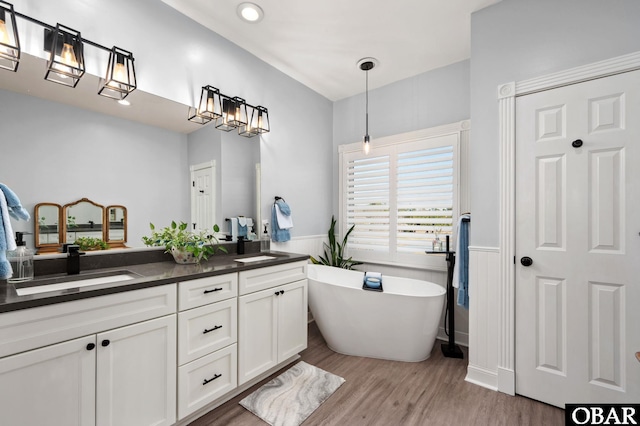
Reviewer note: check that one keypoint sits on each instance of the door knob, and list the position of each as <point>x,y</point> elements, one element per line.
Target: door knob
<point>638,356</point>
<point>526,261</point>
<point>577,143</point>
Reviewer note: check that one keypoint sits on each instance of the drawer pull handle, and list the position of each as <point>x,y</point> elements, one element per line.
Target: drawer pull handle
<point>211,291</point>
<point>211,329</point>
<point>211,380</point>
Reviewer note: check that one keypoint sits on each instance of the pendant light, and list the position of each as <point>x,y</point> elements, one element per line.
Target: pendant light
<point>9,42</point>
<point>366,65</point>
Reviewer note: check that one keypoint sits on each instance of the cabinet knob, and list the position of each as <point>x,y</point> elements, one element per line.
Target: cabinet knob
<point>91,346</point>
<point>105,342</point>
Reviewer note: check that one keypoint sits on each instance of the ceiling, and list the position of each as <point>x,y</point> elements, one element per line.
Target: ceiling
<point>319,43</point>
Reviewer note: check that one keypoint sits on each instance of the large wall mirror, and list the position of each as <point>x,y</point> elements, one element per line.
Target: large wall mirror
<point>113,161</point>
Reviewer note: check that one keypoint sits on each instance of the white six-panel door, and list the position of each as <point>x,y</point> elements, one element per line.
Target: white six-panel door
<point>578,219</point>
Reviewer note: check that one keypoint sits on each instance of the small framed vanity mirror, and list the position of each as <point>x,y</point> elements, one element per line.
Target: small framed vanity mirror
<point>116,226</point>
<point>47,232</point>
<point>83,218</point>
<point>103,227</point>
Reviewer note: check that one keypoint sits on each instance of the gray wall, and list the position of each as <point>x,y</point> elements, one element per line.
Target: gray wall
<point>176,56</point>
<point>520,39</point>
<point>56,153</point>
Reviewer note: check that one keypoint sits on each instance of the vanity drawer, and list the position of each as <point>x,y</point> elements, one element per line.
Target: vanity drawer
<point>271,276</point>
<point>202,291</point>
<point>206,329</point>
<point>206,379</point>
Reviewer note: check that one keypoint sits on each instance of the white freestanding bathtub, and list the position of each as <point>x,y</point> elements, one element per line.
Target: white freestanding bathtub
<point>398,324</point>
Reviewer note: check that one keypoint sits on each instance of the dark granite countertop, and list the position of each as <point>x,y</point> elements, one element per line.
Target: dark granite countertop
<point>151,274</point>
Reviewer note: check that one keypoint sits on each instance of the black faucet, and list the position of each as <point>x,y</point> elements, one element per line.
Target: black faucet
<point>73,259</point>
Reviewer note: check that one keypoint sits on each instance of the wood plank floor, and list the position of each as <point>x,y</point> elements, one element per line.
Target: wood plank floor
<point>388,393</point>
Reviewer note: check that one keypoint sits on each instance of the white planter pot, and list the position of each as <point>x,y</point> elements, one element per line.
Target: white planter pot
<point>184,257</point>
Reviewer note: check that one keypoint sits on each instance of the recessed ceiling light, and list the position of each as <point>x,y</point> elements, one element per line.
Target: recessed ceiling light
<point>250,12</point>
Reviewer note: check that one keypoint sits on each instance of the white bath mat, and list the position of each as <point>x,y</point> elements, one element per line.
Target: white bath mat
<point>291,397</point>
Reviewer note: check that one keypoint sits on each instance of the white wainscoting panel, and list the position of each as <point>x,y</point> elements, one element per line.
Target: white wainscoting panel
<point>483,316</point>
<point>310,244</point>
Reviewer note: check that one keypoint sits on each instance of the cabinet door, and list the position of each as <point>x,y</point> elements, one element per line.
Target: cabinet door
<point>136,374</point>
<point>54,385</point>
<point>292,319</point>
<point>257,325</point>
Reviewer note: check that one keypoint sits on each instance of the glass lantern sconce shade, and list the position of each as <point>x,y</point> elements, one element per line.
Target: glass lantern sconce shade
<point>9,41</point>
<point>229,113</point>
<point>258,122</point>
<point>120,79</point>
<point>234,113</point>
<point>209,108</point>
<point>66,58</point>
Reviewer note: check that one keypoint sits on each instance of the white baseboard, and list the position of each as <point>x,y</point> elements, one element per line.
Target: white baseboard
<point>507,381</point>
<point>461,338</point>
<point>481,377</point>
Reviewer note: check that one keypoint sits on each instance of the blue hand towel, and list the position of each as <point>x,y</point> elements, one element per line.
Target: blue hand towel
<point>13,202</point>
<point>461,269</point>
<point>278,234</point>
<point>6,238</point>
<point>9,206</point>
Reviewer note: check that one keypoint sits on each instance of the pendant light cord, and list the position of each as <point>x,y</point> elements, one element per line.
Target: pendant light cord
<point>367,103</point>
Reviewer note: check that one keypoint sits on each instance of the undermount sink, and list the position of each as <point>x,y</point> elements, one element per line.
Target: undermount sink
<point>75,281</point>
<point>254,258</point>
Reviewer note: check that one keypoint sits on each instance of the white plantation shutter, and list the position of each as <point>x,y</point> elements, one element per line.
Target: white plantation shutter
<point>424,197</point>
<point>398,197</point>
<point>368,203</point>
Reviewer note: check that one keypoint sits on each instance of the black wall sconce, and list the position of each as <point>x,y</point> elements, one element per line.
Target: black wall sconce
<point>66,55</point>
<point>9,41</point>
<point>229,113</point>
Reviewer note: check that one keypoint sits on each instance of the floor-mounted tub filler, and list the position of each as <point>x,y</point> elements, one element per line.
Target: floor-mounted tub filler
<point>398,324</point>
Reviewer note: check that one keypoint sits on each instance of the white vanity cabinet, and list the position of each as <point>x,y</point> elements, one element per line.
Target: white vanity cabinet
<point>272,307</point>
<point>207,336</point>
<point>121,371</point>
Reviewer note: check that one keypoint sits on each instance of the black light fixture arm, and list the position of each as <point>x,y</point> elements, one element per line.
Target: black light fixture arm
<point>53,28</point>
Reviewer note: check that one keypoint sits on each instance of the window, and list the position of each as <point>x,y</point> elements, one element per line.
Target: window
<point>400,196</point>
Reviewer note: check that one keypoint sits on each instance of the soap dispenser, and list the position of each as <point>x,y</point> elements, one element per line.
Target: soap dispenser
<point>21,260</point>
<point>265,241</point>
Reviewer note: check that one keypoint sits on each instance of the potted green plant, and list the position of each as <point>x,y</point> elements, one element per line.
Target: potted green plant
<point>187,247</point>
<point>90,243</point>
<point>334,251</point>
